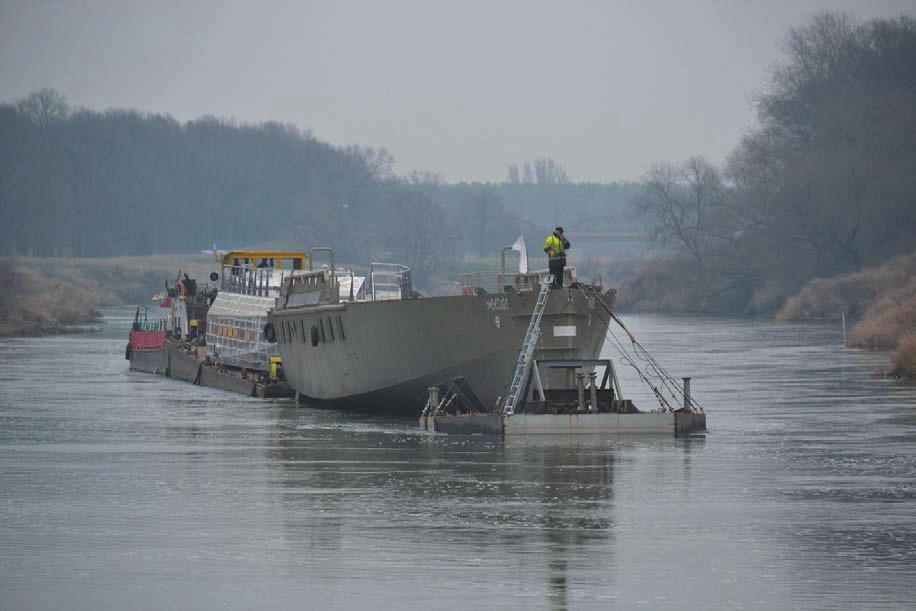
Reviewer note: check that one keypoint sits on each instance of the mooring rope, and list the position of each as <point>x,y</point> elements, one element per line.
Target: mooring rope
<point>667,381</point>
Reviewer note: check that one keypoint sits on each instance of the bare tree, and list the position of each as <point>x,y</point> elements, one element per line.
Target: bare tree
<point>684,204</point>
<point>549,171</point>
<point>513,177</point>
<point>424,179</point>
<point>422,226</point>
<point>44,107</point>
<point>544,171</point>
<point>379,162</point>
<point>484,206</point>
<point>527,174</point>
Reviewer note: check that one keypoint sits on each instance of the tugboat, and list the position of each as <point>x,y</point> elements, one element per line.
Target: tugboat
<point>215,336</point>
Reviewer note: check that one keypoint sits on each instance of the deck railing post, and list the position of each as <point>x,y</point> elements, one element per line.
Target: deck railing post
<point>593,389</point>
<point>580,390</point>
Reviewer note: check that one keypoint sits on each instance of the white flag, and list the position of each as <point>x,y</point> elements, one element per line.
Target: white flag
<point>523,254</point>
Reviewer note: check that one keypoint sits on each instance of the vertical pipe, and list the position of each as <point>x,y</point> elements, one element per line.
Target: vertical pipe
<point>687,394</point>
<point>580,390</point>
<point>593,389</point>
<point>433,402</point>
<point>843,313</point>
<point>502,267</point>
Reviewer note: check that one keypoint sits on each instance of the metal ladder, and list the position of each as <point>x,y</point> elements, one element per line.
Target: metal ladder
<point>528,346</point>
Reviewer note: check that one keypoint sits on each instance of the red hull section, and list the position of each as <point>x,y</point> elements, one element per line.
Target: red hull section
<point>146,340</point>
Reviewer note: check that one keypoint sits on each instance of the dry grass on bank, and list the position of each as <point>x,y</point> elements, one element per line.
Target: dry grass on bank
<point>825,299</point>
<point>36,303</point>
<point>880,301</point>
<point>46,296</point>
<point>889,318</point>
<point>904,360</point>
<point>673,287</point>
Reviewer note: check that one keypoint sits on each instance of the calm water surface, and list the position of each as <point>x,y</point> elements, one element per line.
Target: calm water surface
<point>123,490</point>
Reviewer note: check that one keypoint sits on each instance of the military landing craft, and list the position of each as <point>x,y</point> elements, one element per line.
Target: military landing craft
<point>382,349</point>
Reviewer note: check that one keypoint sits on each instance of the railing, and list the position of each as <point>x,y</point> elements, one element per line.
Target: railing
<point>143,323</point>
<point>350,286</point>
<point>308,281</point>
<point>256,281</point>
<point>384,282</point>
<point>310,288</point>
<point>149,325</point>
<point>496,282</point>
<point>389,281</point>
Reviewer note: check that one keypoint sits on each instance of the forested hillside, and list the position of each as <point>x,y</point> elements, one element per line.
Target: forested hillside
<point>86,183</point>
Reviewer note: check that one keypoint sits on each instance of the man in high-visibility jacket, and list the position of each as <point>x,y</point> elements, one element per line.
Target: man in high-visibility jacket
<point>556,246</point>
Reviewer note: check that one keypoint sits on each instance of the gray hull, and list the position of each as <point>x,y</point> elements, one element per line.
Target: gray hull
<point>176,364</point>
<point>383,355</point>
<point>150,361</point>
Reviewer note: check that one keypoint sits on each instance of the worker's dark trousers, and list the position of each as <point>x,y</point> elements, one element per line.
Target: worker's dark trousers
<point>557,265</point>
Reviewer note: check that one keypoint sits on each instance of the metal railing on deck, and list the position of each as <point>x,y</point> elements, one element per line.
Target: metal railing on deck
<point>256,281</point>
<point>496,282</point>
<point>388,281</point>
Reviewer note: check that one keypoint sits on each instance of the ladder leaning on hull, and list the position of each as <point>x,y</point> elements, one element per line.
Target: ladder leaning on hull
<point>528,346</point>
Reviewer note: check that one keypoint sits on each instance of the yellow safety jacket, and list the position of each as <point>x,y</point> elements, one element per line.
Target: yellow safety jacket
<point>554,246</point>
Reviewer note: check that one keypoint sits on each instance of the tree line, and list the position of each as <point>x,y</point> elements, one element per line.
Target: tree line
<point>824,184</point>
<point>83,183</point>
<point>76,182</point>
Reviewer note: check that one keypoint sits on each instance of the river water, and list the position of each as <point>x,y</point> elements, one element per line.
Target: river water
<point>122,490</point>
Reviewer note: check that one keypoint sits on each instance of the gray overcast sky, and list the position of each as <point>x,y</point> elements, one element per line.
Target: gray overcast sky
<point>461,88</point>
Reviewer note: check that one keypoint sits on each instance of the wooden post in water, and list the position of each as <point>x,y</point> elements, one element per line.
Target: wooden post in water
<point>843,314</point>
<point>687,394</point>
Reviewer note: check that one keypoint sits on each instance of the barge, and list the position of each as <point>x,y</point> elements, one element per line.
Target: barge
<point>591,407</point>
<point>216,337</point>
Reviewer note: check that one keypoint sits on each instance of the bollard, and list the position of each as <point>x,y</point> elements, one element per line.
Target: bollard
<point>593,389</point>
<point>687,394</point>
<point>580,389</point>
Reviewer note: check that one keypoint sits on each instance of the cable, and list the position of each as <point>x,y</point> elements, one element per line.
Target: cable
<point>668,382</point>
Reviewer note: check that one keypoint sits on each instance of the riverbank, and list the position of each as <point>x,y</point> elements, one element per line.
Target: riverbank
<point>47,296</point>
<point>879,302</point>
<point>674,287</point>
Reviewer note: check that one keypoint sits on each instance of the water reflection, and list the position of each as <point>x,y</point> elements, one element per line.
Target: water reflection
<point>522,511</point>
<point>127,490</point>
